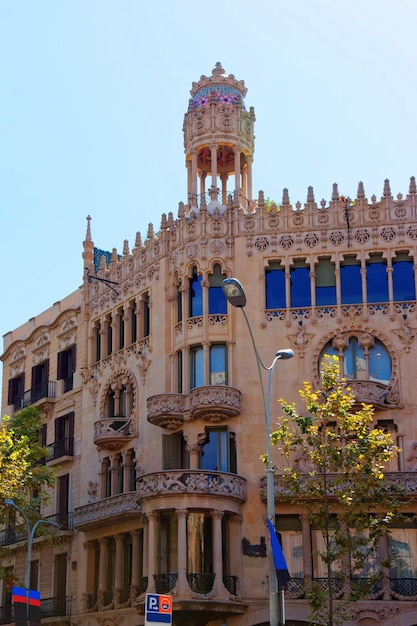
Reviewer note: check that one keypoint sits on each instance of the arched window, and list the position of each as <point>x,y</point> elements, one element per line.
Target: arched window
<point>217,299</point>
<point>196,294</point>
<point>362,357</point>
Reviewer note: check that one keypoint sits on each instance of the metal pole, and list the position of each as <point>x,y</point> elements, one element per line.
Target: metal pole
<point>30,535</point>
<point>270,487</point>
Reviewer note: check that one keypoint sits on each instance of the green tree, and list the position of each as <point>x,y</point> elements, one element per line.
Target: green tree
<point>344,490</point>
<point>24,476</point>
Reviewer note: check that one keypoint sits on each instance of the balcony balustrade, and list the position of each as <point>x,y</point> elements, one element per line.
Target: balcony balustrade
<point>44,391</point>
<point>113,433</point>
<point>123,506</point>
<point>214,403</point>
<point>60,448</point>
<point>176,482</point>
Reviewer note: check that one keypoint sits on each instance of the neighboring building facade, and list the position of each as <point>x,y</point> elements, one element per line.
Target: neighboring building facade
<point>149,386</point>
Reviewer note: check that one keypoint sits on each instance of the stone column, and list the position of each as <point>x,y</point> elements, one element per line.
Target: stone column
<point>236,150</point>
<point>363,275</point>
<point>193,179</point>
<point>313,288</point>
<point>135,557</point>
<point>115,460</point>
<point>224,177</point>
<point>193,450</point>
<point>118,575</point>
<point>217,517</point>
<point>104,564</point>
<point>235,548</point>
<point>249,161</point>
<point>213,148</point>
<point>151,544</point>
<point>307,548</point>
<point>182,583</point>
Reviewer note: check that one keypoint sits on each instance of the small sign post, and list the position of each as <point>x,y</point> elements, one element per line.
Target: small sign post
<point>158,609</point>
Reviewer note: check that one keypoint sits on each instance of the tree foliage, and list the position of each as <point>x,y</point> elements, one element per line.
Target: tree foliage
<point>24,475</point>
<point>341,484</point>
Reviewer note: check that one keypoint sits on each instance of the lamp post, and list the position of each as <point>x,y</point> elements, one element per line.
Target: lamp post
<point>235,294</point>
<point>30,534</point>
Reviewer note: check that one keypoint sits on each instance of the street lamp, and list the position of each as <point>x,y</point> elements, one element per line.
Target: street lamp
<point>235,294</point>
<point>30,534</point>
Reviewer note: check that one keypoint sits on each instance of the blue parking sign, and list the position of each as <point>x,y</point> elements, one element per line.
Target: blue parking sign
<point>158,609</point>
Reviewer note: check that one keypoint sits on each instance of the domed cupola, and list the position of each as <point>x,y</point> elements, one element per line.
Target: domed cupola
<point>219,142</point>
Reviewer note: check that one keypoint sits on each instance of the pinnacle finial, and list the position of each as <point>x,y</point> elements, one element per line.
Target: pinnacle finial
<point>88,234</point>
<point>335,193</point>
<point>387,188</point>
<point>361,190</point>
<point>218,70</point>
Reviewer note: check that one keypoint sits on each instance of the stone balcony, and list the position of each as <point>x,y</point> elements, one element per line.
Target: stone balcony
<point>191,482</point>
<point>213,404</point>
<point>371,392</point>
<point>124,506</point>
<point>113,433</point>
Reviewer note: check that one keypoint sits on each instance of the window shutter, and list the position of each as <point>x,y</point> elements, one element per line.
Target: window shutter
<point>60,365</point>
<point>10,392</point>
<point>171,451</point>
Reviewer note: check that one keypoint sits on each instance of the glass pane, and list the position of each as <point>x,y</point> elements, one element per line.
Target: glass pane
<point>351,284</point>
<point>196,296</point>
<point>199,543</point>
<point>197,367</point>
<point>209,458</point>
<point>218,365</point>
<point>402,544</point>
<point>300,287</point>
<point>292,547</point>
<point>377,282</point>
<point>403,281</point>
<point>354,361</point>
<point>275,289</point>
<point>168,543</point>
<point>217,301</point>
<point>325,296</point>
<point>379,364</point>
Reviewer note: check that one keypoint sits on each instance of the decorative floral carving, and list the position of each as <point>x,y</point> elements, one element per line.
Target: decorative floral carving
<point>388,233</point>
<point>311,240</point>
<point>108,509</point>
<point>191,481</point>
<point>336,237</point>
<point>362,235</point>
<point>286,242</point>
<point>261,243</point>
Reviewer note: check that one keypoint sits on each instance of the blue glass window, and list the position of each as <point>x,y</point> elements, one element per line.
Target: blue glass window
<point>377,279</point>
<point>275,287</point>
<point>357,364</point>
<point>218,367</point>
<point>196,294</point>
<point>300,286</point>
<point>218,452</point>
<point>403,279</point>
<point>351,282</point>
<point>197,367</point>
<point>217,299</point>
<point>325,283</point>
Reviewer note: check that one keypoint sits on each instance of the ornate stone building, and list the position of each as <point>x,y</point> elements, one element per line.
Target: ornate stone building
<point>148,383</point>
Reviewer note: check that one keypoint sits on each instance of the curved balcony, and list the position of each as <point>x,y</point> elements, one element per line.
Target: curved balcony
<point>113,433</point>
<point>371,392</point>
<point>167,410</point>
<point>190,482</point>
<point>109,510</point>
<point>215,403</point>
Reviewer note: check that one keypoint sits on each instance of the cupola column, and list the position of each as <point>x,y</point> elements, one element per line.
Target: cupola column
<point>213,148</point>
<point>236,150</point>
<point>193,178</point>
<point>249,177</point>
<point>224,178</point>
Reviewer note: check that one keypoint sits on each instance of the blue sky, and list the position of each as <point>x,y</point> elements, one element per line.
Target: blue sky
<point>93,94</point>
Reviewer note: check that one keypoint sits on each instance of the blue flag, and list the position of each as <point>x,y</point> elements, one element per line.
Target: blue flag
<point>283,574</point>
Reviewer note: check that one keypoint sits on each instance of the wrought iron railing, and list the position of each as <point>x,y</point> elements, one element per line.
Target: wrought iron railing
<point>61,447</point>
<point>6,614</point>
<point>56,607</point>
<point>201,582</point>
<point>165,582</point>
<point>230,582</point>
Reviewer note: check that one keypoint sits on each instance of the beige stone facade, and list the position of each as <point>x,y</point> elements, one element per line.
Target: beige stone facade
<point>150,390</point>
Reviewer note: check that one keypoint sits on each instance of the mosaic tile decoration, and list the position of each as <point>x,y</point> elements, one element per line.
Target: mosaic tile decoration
<point>224,94</point>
